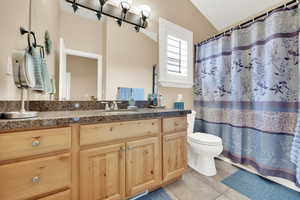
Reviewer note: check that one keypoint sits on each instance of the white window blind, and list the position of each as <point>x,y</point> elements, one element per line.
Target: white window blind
<point>177,53</point>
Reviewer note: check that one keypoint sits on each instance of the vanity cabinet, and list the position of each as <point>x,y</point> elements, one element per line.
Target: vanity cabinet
<point>102,173</point>
<point>105,161</point>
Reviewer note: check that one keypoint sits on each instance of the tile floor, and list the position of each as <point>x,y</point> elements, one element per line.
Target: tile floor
<point>194,186</point>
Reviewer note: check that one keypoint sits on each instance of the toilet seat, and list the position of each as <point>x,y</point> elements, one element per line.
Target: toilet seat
<point>205,139</point>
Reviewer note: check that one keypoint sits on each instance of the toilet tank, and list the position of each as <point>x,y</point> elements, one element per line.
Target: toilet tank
<point>191,122</point>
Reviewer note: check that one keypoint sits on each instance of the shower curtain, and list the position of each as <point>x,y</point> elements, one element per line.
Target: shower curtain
<point>246,92</point>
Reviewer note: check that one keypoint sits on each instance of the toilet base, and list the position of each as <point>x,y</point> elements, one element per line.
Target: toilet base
<point>202,164</point>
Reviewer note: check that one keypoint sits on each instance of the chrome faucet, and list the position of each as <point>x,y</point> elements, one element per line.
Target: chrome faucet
<point>107,107</point>
<point>114,106</point>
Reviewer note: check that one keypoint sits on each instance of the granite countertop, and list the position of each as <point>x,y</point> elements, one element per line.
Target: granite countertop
<point>66,118</point>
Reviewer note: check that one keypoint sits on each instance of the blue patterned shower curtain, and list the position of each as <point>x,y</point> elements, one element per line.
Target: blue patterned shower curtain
<point>246,92</point>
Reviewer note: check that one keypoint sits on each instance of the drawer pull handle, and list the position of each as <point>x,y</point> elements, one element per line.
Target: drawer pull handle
<point>35,179</point>
<point>36,143</point>
<point>176,124</point>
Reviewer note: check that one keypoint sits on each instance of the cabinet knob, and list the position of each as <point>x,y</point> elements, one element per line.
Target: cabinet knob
<point>35,179</point>
<point>36,143</point>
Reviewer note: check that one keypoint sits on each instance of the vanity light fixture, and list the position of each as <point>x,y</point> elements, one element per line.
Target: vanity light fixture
<point>125,5</point>
<point>99,13</point>
<point>144,11</point>
<point>74,6</point>
<point>120,14</point>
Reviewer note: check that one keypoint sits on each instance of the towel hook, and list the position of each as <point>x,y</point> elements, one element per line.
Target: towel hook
<point>42,50</point>
<point>23,31</point>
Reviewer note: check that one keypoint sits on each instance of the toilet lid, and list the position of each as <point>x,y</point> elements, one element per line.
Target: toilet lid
<point>206,139</point>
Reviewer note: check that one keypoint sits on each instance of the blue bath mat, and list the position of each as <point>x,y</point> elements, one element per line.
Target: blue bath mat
<point>156,195</point>
<point>258,188</point>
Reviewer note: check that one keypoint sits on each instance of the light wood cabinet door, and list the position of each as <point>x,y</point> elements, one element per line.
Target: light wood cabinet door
<point>174,155</point>
<point>102,173</point>
<point>143,165</point>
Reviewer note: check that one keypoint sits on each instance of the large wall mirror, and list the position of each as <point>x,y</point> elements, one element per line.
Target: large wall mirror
<point>89,59</point>
<point>92,58</point>
<point>111,56</point>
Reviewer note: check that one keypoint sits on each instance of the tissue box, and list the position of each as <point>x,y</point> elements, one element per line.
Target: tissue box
<point>179,105</point>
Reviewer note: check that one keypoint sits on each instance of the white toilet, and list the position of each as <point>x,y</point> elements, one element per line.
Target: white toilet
<point>202,149</point>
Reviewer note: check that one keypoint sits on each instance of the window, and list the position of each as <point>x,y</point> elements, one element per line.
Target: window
<point>175,55</point>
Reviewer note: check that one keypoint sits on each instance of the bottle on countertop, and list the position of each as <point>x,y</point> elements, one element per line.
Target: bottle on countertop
<point>162,101</point>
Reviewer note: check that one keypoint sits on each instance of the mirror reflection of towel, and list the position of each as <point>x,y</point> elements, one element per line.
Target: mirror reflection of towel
<point>48,88</point>
<point>37,69</point>
<point>125,94</point>
<point>138,94</point>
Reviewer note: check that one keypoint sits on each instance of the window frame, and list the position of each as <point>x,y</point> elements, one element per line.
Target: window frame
<point>167,79</point>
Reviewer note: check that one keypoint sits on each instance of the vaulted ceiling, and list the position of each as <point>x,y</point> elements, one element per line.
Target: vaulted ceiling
<point>224,13</point>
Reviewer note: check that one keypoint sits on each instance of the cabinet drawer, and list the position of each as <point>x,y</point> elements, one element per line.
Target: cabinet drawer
<point>172,125</point>
<point>28,143</point>
<point>34,177</point>
<point>66,195</point>
<point>98,133</point>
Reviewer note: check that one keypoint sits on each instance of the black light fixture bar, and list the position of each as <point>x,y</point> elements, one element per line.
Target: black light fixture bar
<point>114,12</point>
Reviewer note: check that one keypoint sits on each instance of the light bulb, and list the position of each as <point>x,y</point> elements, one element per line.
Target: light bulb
<point>126,4</point>
<point>145,11</point>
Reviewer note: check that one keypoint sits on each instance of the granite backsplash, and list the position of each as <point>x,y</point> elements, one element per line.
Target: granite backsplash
<point>46,106</point>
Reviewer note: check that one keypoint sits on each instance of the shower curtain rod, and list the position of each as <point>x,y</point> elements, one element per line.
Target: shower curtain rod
<point>236,27</point>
